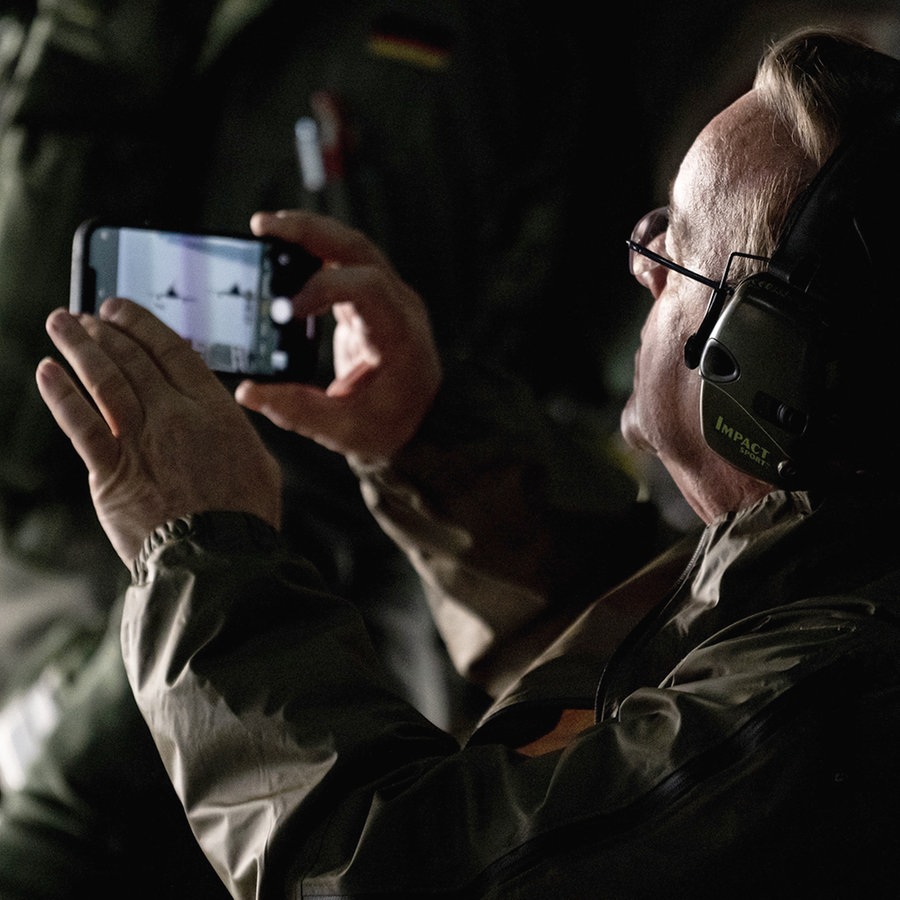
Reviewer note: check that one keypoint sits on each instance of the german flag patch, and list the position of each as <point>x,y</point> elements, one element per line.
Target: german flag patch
<point>420,44</point>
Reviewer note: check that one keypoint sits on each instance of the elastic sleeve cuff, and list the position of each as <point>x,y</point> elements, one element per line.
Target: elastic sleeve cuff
<point>220,530</point>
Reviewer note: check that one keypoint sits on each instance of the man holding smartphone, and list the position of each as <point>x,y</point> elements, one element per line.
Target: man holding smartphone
<point>722,723</point>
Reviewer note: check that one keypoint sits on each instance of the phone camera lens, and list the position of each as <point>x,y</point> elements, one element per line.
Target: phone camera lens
<point>281,311</point>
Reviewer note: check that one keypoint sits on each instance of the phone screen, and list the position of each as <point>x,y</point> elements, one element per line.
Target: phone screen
<point>229,296</point>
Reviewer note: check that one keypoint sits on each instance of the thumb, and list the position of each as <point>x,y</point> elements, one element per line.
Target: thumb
<point>305,409</point>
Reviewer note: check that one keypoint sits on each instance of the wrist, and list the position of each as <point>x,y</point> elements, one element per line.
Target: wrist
<point>219,530</point>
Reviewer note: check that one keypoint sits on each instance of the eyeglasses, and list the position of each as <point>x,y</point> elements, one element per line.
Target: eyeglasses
<point>641,258</point>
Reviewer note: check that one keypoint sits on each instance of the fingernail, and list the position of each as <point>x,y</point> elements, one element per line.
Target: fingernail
<point>109,307</point>
<point>59,319</point>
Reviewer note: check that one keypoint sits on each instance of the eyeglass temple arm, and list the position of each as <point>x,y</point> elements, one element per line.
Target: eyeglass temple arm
<point>663,261</point>
<point>696,343</point>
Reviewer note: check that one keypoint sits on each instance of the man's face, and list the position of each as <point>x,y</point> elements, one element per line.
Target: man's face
<point>662,416</point>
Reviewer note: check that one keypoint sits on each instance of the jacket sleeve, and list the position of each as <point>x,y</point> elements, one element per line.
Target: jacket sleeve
<point>303,775</point>
<point>513,521</point>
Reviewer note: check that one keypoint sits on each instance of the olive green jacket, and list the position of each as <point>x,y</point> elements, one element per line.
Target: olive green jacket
<point>744,688</point>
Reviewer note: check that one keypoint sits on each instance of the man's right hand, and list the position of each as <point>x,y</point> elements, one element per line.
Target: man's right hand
<point>163,437</point>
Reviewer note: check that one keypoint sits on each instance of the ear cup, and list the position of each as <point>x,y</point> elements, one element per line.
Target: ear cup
<point>764,369</point>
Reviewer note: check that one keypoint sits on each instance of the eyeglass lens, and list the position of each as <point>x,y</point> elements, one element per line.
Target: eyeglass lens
<point>650,227</point>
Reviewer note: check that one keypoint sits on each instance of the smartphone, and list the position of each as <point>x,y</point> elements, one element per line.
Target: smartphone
<point>229,295</point>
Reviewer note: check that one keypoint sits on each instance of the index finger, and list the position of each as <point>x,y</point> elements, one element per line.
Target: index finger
<point>172,355</point>
<point>325,237</point>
